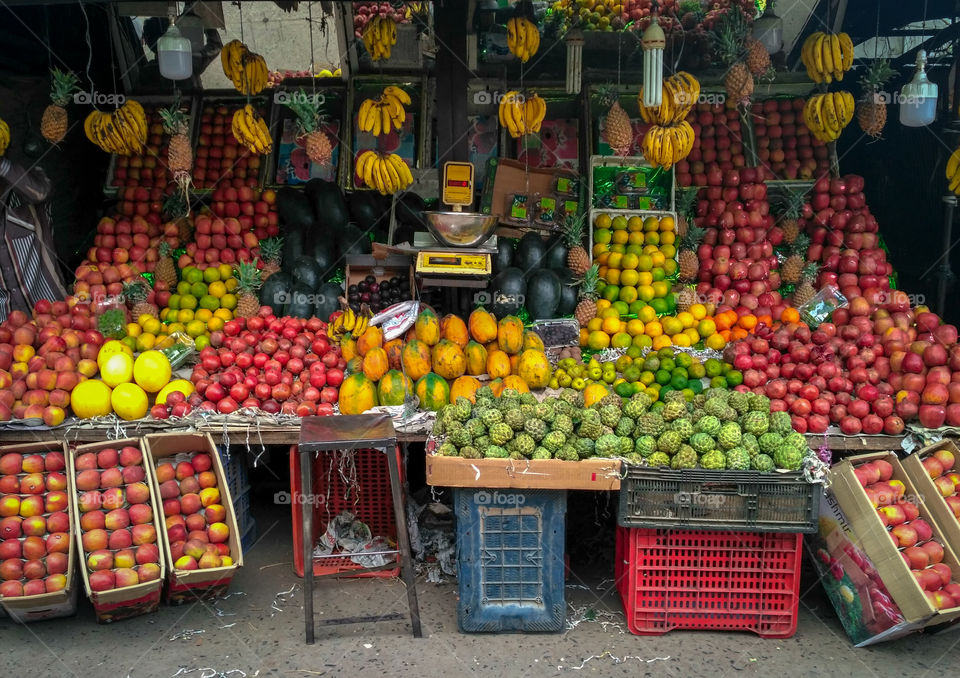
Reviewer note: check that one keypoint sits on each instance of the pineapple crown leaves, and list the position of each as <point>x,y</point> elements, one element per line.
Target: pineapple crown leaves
<point>693,238</point>
<point>876,75</point>
<point>810,272</point>
<point>587,283</point>
<point>174,206</point>
<point>174,120</point>
<point>694,7</point>
<point>609,95</point>
<point>687,204</point>
<point>307,110</point>
<point>800,245</point>
<point>730,37</point>
<point>164,249</point>
<point>62,85</point>
<point>136,290</point>
<point>248,276</point>
<point>792,204</point>
<point>573,237</point>
<point>271,249</point>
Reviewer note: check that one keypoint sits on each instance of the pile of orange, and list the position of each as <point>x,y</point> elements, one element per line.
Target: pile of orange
<point>647,330</point>
<point>636,255</point>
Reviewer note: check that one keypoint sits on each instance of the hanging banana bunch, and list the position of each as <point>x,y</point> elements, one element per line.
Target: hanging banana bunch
<point>680,93</point>
<point>4,137</point>
<point>522,115</point>
<point>246,70</point>
<point>523,38</point>
<point>827,114</point>
<point>666,146</point>
<point>379,36</point>
<point>251,131</point>
<point>827,56</point>
<point>123,132</point>
<point>385,113</point>
<point>953,171</point>
<point>386,172</point>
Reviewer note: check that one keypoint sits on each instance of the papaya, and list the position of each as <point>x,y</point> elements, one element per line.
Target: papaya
<point>514,362</point>
<point>427,327</point>
<point>357,395</point>
<point>454,329</point>
<point>498,364</point>
<point>496,386</point>
<point>464,386</point>
<point>394,388</point>
<point>516,383</point>
<point>534,368</point>
<point>532,340</point>
<point>410,335</point>
<point>476,356</point>
<point>355,365</point>
<point>492,346</point>
<point>348,348</point>
<point>483,326</point>
<point>433,392</point>
<point>416,359</point>
<point>510,334</point>
<point>375,364</point>
<point>448,360</point>
<point>394,349</point>
<point>371,338</point>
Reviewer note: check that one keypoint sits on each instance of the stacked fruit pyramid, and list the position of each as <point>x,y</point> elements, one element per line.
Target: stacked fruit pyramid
<point>221,159</point>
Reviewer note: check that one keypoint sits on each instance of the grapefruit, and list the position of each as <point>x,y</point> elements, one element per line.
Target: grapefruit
<point>152,371</point>
<point>183,385</point>
<point>117,369</point>
<point>129,401</point>
<point>90,398</point>
<point>110,348</point>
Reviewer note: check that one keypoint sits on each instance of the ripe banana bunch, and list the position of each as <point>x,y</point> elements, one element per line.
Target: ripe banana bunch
<point>953,171</point>
<point>246,70</point>
<point>666,146</point>
<point>827,114</point>
<point>251,130</point>
<point>523,38</point>
<point>4,137</point>
<point>123,132</point>
<point>680,93</point>
<point>349,322</point>
<point>388,173</point>
<point>385,113</point>
<point>379,36</point>
<point>522,116</point>
<point>827,56</point>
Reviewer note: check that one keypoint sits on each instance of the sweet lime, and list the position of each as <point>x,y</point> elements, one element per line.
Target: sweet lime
<point>90,398</point>
<point>151,371</point>
<point>129,402</point>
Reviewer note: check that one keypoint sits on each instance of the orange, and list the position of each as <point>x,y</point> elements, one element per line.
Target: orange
<point>225,271</point>
<point>666,223</point>
<point>629,261</point>
<point>628,293</point>
<point>715,342</point>
<point>634,327</point>
<point>613,276</point>
<point>680,339</point>
<point>584,334</point>
<point>660,342</point>
<point>646,292</point>
<point>671,325</point>
<point>602,237</point>
<point>646,314</point>
<point>619,248</point>
<point>643,341</point>
<point>652,238</point>
<point>635,239</point>
<point>698,311</point>
<point>651,224</point>
<point>628,278</point>
<point>598,340</point>
<point>658,258</point>
<point>644,278</point>
<point>748,321</point>
<point>621,237</point>
<point>603,304</point>
<point>668,238</point>
<point>790,315</point>
<point>225,312</point>
<point>619,223</point>
<point>614,260</point>
<point>602,222</point>
<point>653,328</point>
<point>706,327</point>
<point>635,223</point>
<point>670,266</point>
<point>611,325</point>
<point>660,289</point>
<point>599,249</point>
<point>217,289</point>
<point>686,319</point>
<point>594,324</point>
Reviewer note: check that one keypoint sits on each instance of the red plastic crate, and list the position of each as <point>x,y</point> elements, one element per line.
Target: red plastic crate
<point>373,505</point>
<point>717,581</point>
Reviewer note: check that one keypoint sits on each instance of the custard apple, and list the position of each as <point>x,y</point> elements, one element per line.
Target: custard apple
<point>708,424</point>
<point>702,443</point>
<point>554,440</point>
<point>496,452</point>
<point>536,428</point>
<point>500,434</point>
<point>624,427</point>
<point>669,442</point>
<point>658,459</point>
<point>769,442</point>
<point>684,427</point>
<point>729,435</point>
<point>714,459</point>
<point>738,459</point>
<point>645,446</point>
<point>762,462</point>
<point>607,445</point>
<point>684,459</point>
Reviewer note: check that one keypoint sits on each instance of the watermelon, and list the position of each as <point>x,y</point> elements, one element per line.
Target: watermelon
<point>306,271</point>
<point>394,387</point>
<point>543,294</point>
<point>293,247</point>
<point>507,292</point>
<point>368,212</point>
<point>329,207</point>
<point>327,300</point>
<point>301,304</point>
<point>503,257</point>
<point>556,257</point>
<point>530,253</point>
<point>433,392</point>
<point>294,209</point>
<point>568,292</point>
<point>276,291</point>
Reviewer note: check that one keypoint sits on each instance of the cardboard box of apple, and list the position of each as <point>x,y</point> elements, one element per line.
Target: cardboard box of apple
<point>934,471</point>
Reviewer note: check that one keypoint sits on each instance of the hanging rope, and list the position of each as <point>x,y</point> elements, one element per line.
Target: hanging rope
<point>86,20</point>
<point>240,8</point>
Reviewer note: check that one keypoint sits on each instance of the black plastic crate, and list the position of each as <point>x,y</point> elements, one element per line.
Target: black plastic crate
<point>717,500</point>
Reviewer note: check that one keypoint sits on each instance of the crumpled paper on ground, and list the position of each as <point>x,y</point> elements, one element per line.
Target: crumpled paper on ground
<point>433,540</point>
<point>347,535</point>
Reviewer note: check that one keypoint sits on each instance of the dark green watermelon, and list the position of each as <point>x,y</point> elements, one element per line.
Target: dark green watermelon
<point>294,242</point>
<point>327,300</point>
<point>409,211</point>
<point>301,303</point>
<point>322,248</point>
<point>307,272</point>
<point>568,293</point>
<point>530,253</point>
<point>351,240</point>
<point>507,292</point>
<point>275,291</point>
<point>556,257</point>
<point>368,212</point>
<point>294,209</point>
<point>329,207</point>
<point>503,257</point>
<point>543,294</point>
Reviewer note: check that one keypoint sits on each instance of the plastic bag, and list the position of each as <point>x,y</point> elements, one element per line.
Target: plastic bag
<point>112,317</point>
<point>397,319</point>
<point>178,348</point>
<point>823,303</point>
<point>520,209</point>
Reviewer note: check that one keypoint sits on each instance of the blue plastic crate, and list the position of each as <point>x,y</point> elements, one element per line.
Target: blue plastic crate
<point>249,536</point>
<point>236,471</point>
<point>510,560</point>
<point>241,506</point>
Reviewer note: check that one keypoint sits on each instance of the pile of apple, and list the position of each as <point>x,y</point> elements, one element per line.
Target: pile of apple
<point>912,535</point>
<point>218,241</point>
<point>44,358</point>
<point>784,142</point>
<point>219,158</point>
<point>118,537</point>
<point>195,519</point>
<point>363,12</point>
<point>122,249</point>
<point>277,365</point>
<point>34,524</point>
<point>738,265</point>
<point>255,210</point>
<point>844,238</point>
<point>718,144</point>
<point>939,467</point>
<point>175,405</point>
<point>147,171</point>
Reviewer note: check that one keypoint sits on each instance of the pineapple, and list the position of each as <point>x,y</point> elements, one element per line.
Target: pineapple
<point>165,269</point>
<point>135,293</point>
<point>53,124</point>
<point>758,59</point>
<point>686,210</point>
<point>309,122</point>
<point>271,253</point>
<point>792,211</point>
<point>587,307</point>
<point>805,290</point>
<point>578,260</point>
<point>686,297</point>
<point>687,260</point>
<point>179,152</point>
<point>248,282</point>
<point>617,130</point>
<point>792,268</point>
<point>872,110</point>
<point>729,44</point>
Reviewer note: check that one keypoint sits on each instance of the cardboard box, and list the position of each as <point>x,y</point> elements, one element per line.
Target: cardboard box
<point>359,266</point>
<point>190,585</point>
<point>932,498</point>
<point>876,543</point>
<point>60,603</point>
<point>532,474</point>
<point>512,177</point>
<point>129,601</point>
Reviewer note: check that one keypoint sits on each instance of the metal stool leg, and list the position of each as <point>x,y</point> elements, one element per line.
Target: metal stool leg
<point>306,509</point>
<point>403,540</point>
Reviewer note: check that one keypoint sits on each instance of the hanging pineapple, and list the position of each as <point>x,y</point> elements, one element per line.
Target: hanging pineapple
<point>805,290</point>
<point>53,124</point>
<point>179,152</point>
<point>758,58</point>
<point>248,282</point>
<point>872,109</point>
<point>309,121</point>
<point>688,263</point>
<point>578,260</point>
<point>271,254</point>
<point>792,270</point>
<point>729,41</point>
<point>587,292</point>
<point>617,130</point>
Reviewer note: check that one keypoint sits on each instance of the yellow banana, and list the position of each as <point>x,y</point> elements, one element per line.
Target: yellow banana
<point>512,35</point>
<point>830,118</point>
<point>836,56</point>
<point>840,106</point>
<point>368,171</point>
<point>385,121</point>
<point>849,104</point>
<point>846,46</point>
<point>403,170</point>
<point>399,93</point>
<point>953,164</point>
<point>816,51</point>
<point>349,319</point>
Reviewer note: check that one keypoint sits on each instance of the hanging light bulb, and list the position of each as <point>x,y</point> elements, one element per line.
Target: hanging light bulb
<point>574,41</point>
<point>174,54</point>
<point>918,98</point>
<point>653,43</point>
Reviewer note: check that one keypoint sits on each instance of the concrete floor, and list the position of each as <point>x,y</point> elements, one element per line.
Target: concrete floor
<point>253,639</point>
